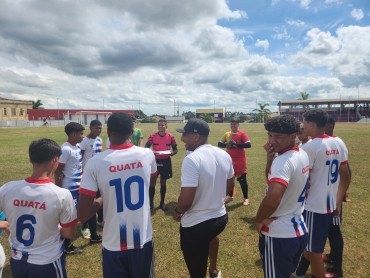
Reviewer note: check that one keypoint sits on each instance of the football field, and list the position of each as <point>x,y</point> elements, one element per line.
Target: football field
<point>238,252</point>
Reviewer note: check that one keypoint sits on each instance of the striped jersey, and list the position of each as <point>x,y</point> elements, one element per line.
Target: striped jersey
<point>122,175</point>
<point>162,143</point>
<point>326,155</point>
<point>290,168</point>
<point>34,208</point>
<point>90,147</point>
<point>71,158</point>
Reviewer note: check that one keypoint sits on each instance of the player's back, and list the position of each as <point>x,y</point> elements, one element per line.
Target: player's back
<point>34,208</point>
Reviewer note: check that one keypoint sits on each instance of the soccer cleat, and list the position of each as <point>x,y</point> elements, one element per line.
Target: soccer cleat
<point>72,250</point>
<point>333,273</point>
<point>246,202</point>
<point>96,239</point>
<point>216,274</point>
<point>86,233</point>
<point>228,199</point>
<point>326,258</point>
<point>163,206</point>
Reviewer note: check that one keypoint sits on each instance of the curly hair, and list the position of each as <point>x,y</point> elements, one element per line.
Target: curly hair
<point>317,116</point>
<point>43,150</point>
<point>120,123</point>
<point>282,124</point>
<point>73,127</point>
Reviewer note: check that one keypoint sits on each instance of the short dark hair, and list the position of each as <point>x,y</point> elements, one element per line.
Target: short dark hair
<point>163,121</point>
<point>235,120</point>
<point>120,123</point>
<point>331,121</point>
<point>43,150</point>
<point>95,122</point>
<point>317,116</point>
<point>73,127</point>
<point>282,124</point>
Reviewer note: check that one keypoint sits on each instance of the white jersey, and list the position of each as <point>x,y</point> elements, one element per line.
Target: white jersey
<point>90,147</point>
<point>304,142</point>
<point>207,168</point>
<point>326,156</point>
<point>290,168</point>
<point>71,158</point>
<point>122,175</point>
<point>108,143</point>
<point>34,208</point>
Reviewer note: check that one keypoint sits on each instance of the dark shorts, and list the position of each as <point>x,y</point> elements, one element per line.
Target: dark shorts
<point>129,263</point>
<point>164,167</point>
<point>195,241</point>
<point>55,269</point>
<point>280,256</point>
<point>318,229</point>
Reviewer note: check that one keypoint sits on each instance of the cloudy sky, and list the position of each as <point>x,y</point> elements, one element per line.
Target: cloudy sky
<point>116,54</point>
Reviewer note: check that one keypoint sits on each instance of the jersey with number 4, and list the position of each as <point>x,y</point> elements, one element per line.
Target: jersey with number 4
<point>290,168</point>
<point>122,175</point>
<point>90,147</point>
<point>326,156</point>
<point>34,208</point>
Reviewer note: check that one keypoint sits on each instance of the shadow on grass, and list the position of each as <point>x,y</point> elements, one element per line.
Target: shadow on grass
<point>250,221</point>
<point>233,206</point>
<point>169,212</point>
<point>258,263</point>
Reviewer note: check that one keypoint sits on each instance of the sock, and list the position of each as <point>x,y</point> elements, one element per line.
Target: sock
<point>92,225</point>
<point>151,194</point>
<point>244,185</point>
<point>163,193</point>
<point>302,266</point>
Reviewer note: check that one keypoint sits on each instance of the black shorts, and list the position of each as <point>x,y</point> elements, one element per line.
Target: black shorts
<point>195,241</point>
<point>164,167</point>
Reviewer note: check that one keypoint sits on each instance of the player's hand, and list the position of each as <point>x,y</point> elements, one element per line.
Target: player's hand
<point>155,152</point>
<point>269,150</point>
<point>337,211</point>
<point>4,225</point>
<point>177,216</point>
<point>265,222</point>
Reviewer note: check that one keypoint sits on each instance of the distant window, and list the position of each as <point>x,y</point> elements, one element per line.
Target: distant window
<point>13,112</point>
<point>21,112</point>
<point>4,111</point>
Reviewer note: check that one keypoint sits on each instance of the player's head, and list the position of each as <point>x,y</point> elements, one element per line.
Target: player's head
<point>329,128</point>
<point>194,133</point>
<point>302,136</point>
<point>95,128</point>
<point>120,127</point>
<point>43,151</point>
<point>282,131</point>
<point>234,124</point>
<point>75,132</point>
<point>162,125</point>
<point>314,119</point>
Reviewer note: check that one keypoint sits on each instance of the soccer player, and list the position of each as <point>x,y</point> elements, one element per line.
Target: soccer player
<point>90,146</point>
<point>207,174</point>
<point>4,225</point>
<point>122,174</point>
<point>69,172</point>
<point>329,179</point>
<point>303,138</point>
<point>162,143</point>
<point>279,220</point>
<point>136,138</point>
<point>235,141</point>
<point>40,215</point>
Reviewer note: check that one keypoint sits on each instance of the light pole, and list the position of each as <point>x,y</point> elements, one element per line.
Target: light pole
<point>58,108</point>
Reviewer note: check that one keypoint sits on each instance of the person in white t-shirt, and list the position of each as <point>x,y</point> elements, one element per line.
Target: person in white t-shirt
<point>207,174</point>
<point>122,174</point>
<point>40,215</point>
<point>279,220</point>
<point>329,180</point>
<point>90,146</point>
<point>69,172</point>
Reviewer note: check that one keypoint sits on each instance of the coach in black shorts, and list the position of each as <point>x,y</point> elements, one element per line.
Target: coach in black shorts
<point>162,143</point>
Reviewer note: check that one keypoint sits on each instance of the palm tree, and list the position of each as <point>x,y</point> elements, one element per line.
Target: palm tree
<point>37,104</point>
<point>262,112</point>
<point>304,96</point>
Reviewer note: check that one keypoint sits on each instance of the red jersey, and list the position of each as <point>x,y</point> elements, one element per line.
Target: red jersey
<point>162,143</point>
<point>240,138</point>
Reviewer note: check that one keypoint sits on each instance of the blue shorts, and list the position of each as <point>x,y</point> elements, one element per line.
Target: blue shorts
<point>129,263</point>
<point>55,269</point>
<point>75,196</point>
<point>280,256</point>
<point>318,229</point>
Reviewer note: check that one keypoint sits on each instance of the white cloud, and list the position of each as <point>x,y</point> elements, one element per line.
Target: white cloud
<point>281,34</point>
<point>262,43</point>
<point>305,4</point>
<point>357,14</point>
<point>296,22</point>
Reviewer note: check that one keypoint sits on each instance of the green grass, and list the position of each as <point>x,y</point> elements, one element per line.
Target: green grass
<point>238,253</point>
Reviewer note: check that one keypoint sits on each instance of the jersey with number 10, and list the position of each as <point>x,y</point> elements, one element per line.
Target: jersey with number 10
<point>122,175</point>
<point>326,156</point>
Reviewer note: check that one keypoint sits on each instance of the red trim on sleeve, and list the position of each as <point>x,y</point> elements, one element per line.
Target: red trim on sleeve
<point>87,192</point>
<point>344,162</point>
<point>38,181</point>
<point>279,181</point>
<point>66,225</point>
<point>154,174</point>
<point>321,136</point>
<point>121,147</point>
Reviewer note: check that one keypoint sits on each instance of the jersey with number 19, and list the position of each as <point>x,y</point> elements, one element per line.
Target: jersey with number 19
<point>326,155</point>
<point>34,208</point>
<point>122,175</point>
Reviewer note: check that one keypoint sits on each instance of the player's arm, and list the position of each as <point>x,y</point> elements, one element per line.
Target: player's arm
<point>141,142</point>
<point>186,199</point>
<point>221,145</point>
<point>270,157</point>
<point>344,181</point>
<point>230,185</point>
<point>244,145</point>
<point>68,232</point>
<point>174,148</point>
<point>4,225</point>
<point>269,204</point>
<point>88,207</point>
<point>58,175</point>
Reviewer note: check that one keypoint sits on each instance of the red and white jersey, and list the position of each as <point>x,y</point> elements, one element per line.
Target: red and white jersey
<point>90,147</point>
<point>326,155</point>
<point>304,142</point>
<point>290,168</point>
<point>162,143</point>
<point>34,208</point>
<point>122,175</point>
<point>71,158</point>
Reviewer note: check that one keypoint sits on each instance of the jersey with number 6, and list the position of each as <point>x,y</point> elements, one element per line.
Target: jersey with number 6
<point>34,208</point>
<point>122,175</point>
<point>326,156</point>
